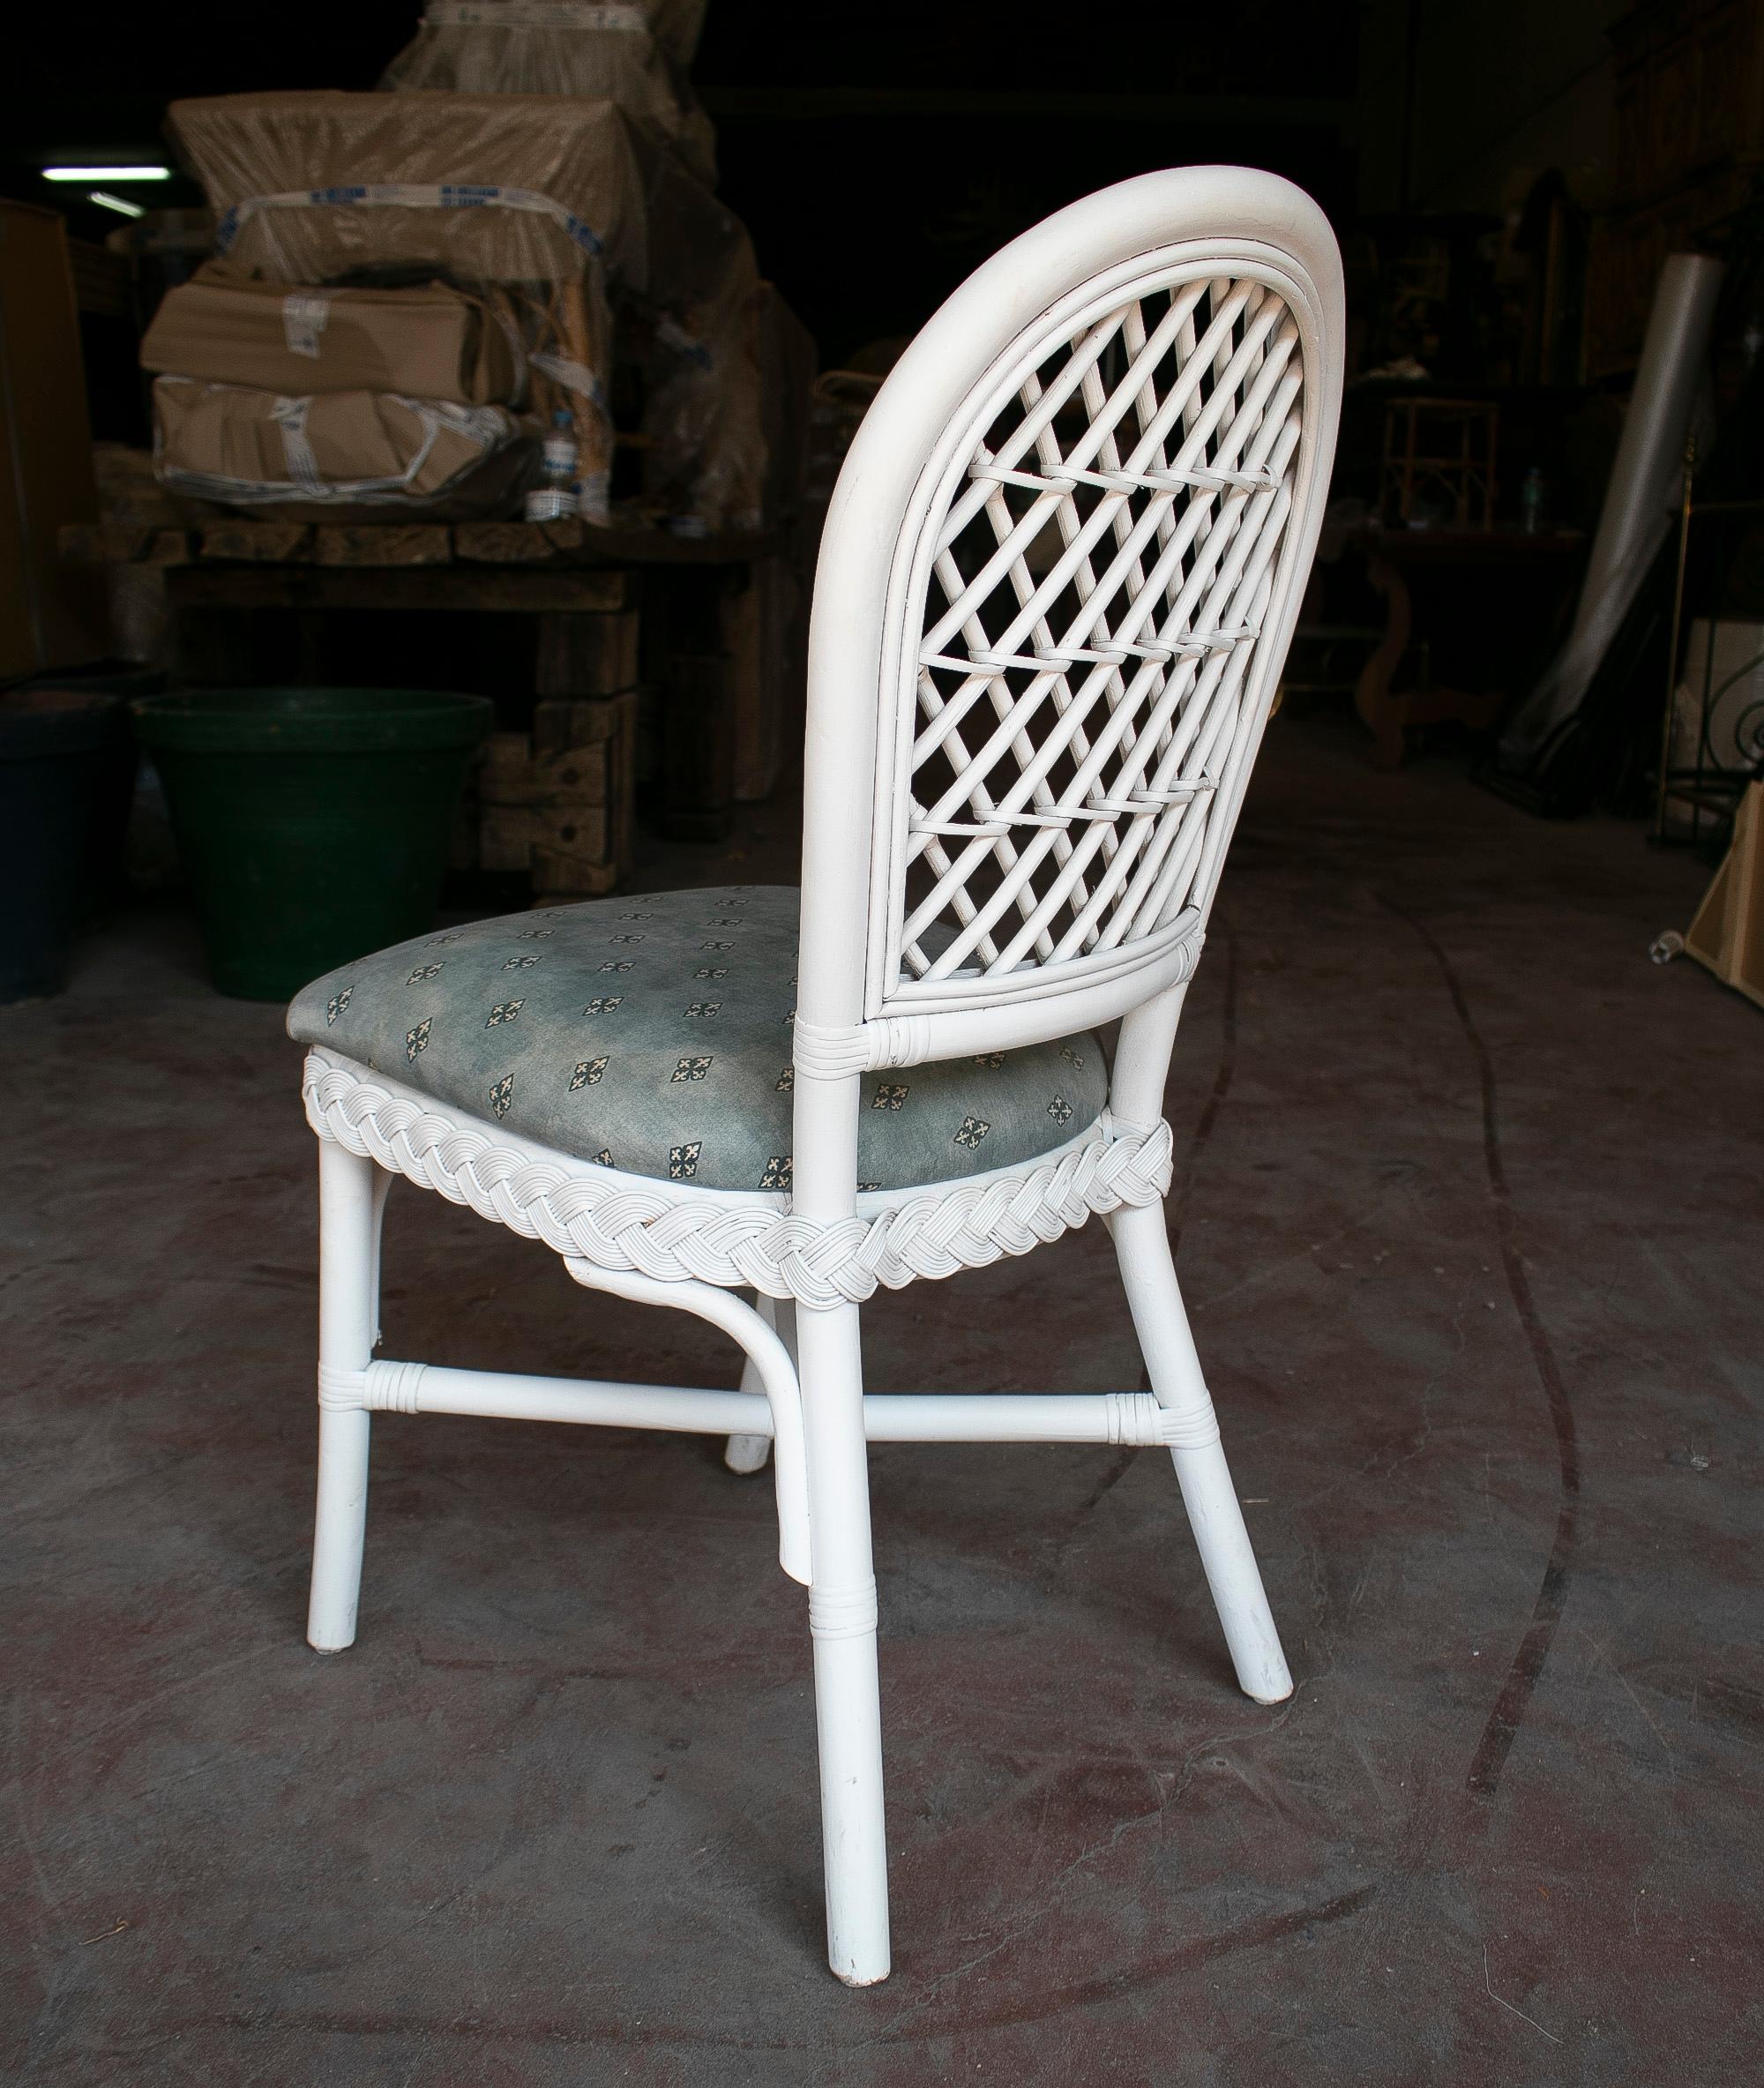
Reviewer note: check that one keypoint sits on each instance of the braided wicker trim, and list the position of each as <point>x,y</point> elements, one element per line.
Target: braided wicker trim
<point>612,1224</point>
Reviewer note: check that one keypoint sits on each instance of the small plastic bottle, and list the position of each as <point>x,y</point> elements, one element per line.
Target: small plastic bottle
<point>555,500</point>
<point>1531,502</point>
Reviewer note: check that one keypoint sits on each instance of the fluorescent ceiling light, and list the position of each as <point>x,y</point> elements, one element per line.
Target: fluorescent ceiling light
<point>129,210</point>
<point>107,173</point>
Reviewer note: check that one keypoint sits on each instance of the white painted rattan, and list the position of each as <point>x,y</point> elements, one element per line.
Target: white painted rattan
<point>1059,578</point>
<point>626,1222</point>
<point>1117,1417</point>
<point>1131,651</point>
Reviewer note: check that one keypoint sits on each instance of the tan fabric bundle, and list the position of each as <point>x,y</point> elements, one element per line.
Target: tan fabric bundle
<point>332,453</point>
<point>432,341</point>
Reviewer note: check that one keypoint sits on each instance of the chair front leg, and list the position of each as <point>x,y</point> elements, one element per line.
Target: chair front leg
<point>350,1204</point>
<point>1142,1245</point>
<point>842,1619</point>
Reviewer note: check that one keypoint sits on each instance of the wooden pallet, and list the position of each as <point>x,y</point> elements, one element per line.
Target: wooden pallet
<point>722,631</point>
<point>242,541</point>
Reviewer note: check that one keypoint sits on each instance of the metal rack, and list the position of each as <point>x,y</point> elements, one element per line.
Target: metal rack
<point>1711,789</point>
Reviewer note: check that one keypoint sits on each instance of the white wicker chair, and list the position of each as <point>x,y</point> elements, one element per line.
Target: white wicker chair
<point>1057,584</point>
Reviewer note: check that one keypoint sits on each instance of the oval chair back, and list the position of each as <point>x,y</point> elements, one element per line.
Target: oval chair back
<point>1060,576</point>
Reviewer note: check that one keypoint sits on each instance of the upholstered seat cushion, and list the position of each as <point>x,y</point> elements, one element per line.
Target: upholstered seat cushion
<point>653,1035</point>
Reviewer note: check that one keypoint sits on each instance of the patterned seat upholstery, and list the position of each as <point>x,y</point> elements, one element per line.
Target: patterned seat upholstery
<point>653,1035</point>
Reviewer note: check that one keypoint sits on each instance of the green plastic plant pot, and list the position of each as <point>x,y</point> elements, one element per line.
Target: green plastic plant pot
<point>313,823</point>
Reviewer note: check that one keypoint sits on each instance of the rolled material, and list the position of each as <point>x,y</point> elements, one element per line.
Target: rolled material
<point>1643,489</point>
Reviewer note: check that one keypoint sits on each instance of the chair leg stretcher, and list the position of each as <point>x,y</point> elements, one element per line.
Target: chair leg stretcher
<point>1126,1417</point>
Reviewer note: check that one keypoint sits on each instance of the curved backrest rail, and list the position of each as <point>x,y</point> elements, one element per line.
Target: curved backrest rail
<point>1058,578</point>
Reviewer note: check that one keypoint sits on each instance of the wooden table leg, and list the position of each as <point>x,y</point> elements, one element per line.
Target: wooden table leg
<point>694,678</point>
<point>1379,706</point>
<point>697,747</point>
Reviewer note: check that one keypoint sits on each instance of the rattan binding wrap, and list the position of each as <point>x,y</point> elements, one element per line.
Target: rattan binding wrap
<point>613,1224</point>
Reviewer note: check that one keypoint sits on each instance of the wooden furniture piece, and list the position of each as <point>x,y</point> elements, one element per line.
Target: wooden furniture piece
<point>1727,934</point>
<point>1688,145</point>
<point>1465,613</point>
<point>48,616</point>
<point>704,623</point>
<point>1693,797</point>
<point>559,804</point>
<point>1439,461</point>
<point>1056,586</point>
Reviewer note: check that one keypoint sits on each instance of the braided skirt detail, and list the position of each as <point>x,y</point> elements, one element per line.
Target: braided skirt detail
<point>614,1225</point>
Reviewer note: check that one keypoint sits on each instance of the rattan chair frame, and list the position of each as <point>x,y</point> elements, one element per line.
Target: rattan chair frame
<point>1017,804</point>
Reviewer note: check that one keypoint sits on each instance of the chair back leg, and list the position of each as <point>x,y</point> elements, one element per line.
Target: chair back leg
<point>350,1205</point>
<point>1142,1246</point>
<point>842,1619</point>
<point>749,1453</point>
<point>383,1182</point>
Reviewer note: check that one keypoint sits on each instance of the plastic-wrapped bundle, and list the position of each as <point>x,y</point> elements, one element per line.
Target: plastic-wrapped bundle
<point>428,341</point>
<point>335,453</point>
<point>703,394</point>
<point>540,195</point>
<point>490,188</point>
<point>578,48</point>
<point>552,198</point>
<point>676,25</point>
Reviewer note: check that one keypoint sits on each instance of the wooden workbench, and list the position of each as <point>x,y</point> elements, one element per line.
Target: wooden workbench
<point>258,602</point>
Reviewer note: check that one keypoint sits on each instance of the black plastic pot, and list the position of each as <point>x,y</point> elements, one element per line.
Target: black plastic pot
<point>59,752</point>
<point>115,794</point>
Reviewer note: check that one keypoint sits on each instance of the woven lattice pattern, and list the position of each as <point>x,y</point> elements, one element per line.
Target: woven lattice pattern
<point>1101,578</point>
<point>613,1222</point>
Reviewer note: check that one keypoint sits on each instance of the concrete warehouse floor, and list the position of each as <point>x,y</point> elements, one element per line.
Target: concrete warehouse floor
<point>1469,1197</point>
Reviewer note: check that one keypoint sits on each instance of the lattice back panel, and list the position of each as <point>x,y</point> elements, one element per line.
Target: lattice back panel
<point>1097,587</point>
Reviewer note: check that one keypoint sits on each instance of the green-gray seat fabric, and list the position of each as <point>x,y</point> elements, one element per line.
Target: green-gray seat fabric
<point>653,1035</point>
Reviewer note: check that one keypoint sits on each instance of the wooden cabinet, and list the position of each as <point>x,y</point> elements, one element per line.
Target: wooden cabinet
<point>49,616</point>
<point>1688,145</point>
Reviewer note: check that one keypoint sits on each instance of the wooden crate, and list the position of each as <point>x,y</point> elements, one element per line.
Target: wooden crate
<point>559,805</point>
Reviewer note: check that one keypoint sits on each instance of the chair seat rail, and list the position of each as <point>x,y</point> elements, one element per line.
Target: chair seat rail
<point>620,1224</point>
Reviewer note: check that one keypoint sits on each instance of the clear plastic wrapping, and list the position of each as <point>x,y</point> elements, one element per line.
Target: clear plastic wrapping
<point>335,452</point>
<point>428,341</point>
<point>564,202</point>
<point>705,453</point>
<point>577,48</point>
